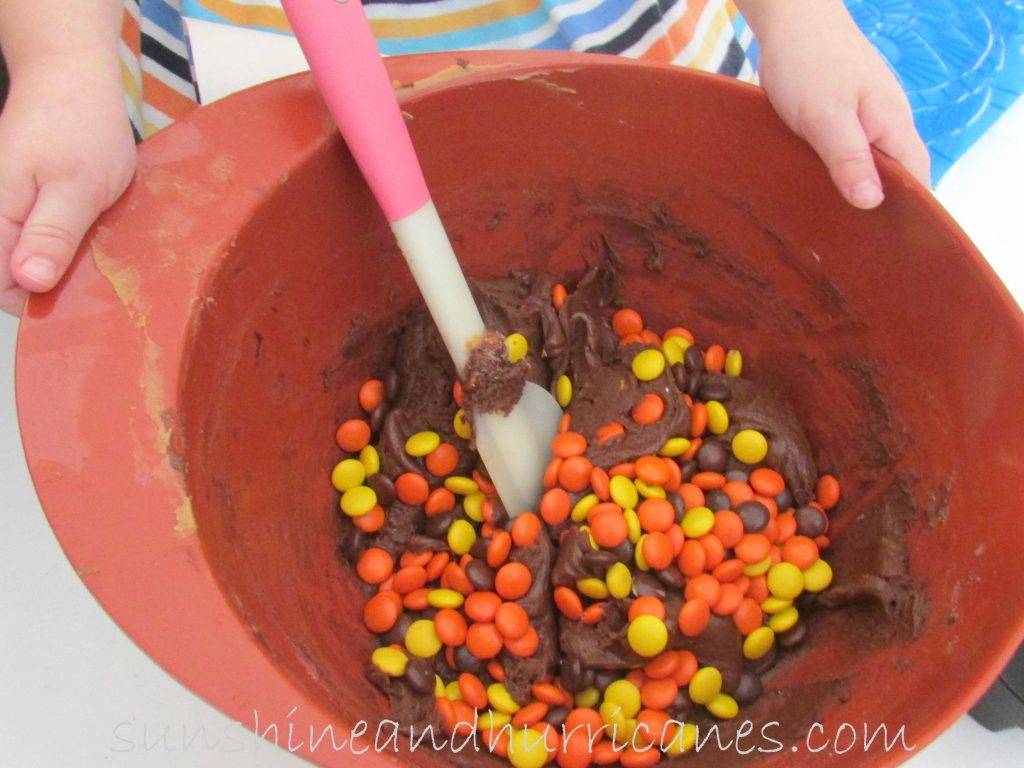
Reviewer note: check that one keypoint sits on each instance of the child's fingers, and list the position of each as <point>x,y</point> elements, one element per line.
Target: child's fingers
<point>12,296</point>
<point>891,128</point>
<point>838,137</point>
<point>60,217</point>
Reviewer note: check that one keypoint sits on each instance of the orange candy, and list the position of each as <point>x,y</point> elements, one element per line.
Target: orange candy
<point>694,616</point>
<point>624,470</point>
<point>457,579</point>
<point>417,600</point>
<point>728,571</point>
<point>593,614</point>
<point>827,491</point>
<point>659,694</point>
<point>558,294</point>
<point>525,529</point>
<point>382,611</point>
<point>692,558</point>
<point>512,581</point>
<point>372,521</point>
<point>375,565</point>
<point>686,669</point>
<point>729,600</point>
<point>608,527</point>
<point>714,551</point>
<point>412,488</point>
<point>511,621</point>
<point>652,470</point>
<point>574,753</point>
<point>640,758</point>
<point>496,670</point>
<point>698,419</point>
<point>785,525</point>
<point>353,435</point>
<point>371,394</point>
<point>482,606</point>
<point>767,482</point>
<point>499,549</point>
<point>650,408</point>
<point>599,483</point>
<point>443,460</point>
<point>569,444</point>
<point>584,725</point>
<point>473,691</point>
<point>705,587</point>
<point>525,646</point>
<point>708,481</point>
<point>657,550</point>
<point>609,431</point>
<point>408,579</point>
<point>568,602</point>
<point>530,715</point>
<point>439,501</point>
<point>801,551</point>
<point>549,693</point>
<point>748,616</point>
<point>662,666</point>
<point>450,626</point>
<point>728,528</point>
<point>627,321</point>
<point>648,605</point>
<point>484,640</point>
<point>692,495</point>
<point>675,475</point>
<point>738,492</point>
<point>555,506</point>
<point>551,473</point>
<point>574,473</point>
<point>753,548</point>
<point>714,358</point>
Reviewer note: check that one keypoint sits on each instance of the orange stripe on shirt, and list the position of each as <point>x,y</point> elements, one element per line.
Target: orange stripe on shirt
<point>130,32</point>
<point>165,98</point>
<point>249,15</point>
<point>668,46</point>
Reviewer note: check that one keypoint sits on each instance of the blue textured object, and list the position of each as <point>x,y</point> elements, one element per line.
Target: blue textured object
<point>961,63</point>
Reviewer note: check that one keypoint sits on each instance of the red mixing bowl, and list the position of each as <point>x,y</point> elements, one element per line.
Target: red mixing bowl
<point>178,393</point>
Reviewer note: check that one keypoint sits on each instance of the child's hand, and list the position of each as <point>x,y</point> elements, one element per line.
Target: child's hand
<point>831,87</point>
<point>66,154</point>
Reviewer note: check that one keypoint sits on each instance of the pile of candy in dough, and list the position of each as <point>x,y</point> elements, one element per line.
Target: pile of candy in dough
<point>662,574</point>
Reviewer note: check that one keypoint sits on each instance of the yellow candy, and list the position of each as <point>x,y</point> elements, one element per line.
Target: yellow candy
<point>705,685</point>
<point>593,588</point>
<point>461,426</point>
<point>674,349</point>
<point>785,580</point>
<point>623,492</point>
<point>461,485</point>
<point>517,347</point>
<point>818,576</point>
<point>461,536</point>
<point>758,569</point>
<point>473,505</point>
<point>750,446</point>
<point>370,460</point>
<point>718,417</point>
<point>588,697</point>
<point>647,635</point>
<point>582,507</point>
<point>527,748</point>
<point>784,620</point>
<point>758,643</point>
<point>638,554</point>
<point>723,706</point>
<point>648,364</point>
<point>391,661</point>
<point>626,695</point>
<point>613,716</point>
<point>500,699</point>
<point>421,639</point>
<point>633,527</point>
<point>444,598</point>
<point>452,692</point>
<point>683,740</point>
<point>492,719</point>
<point>649,491</point>
<point>733,362</point>
<point>439,692</point>
<point>563,390</point>
<point>356,502</point>
<point>775,605</point>
<point>619,581</point>
<point>347,474</point>
<point>697,522</point>
<point>422,443</point>
<point>674,446</point>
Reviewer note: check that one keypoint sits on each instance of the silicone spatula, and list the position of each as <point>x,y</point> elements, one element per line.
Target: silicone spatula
<point>336,39</point>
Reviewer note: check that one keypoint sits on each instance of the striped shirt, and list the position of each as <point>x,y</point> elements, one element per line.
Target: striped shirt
<point>706,34</point>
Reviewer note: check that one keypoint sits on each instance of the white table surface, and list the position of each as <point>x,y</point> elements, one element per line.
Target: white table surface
<point>75,691</point>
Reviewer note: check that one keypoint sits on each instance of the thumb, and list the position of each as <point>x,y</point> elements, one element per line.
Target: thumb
<point>838,137</point>
<point>62,213</point>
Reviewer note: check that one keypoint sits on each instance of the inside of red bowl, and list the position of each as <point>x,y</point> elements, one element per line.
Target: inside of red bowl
<point>884,331</point>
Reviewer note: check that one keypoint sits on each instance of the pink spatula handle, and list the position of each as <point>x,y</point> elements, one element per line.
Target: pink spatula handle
<point>336,39</point>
